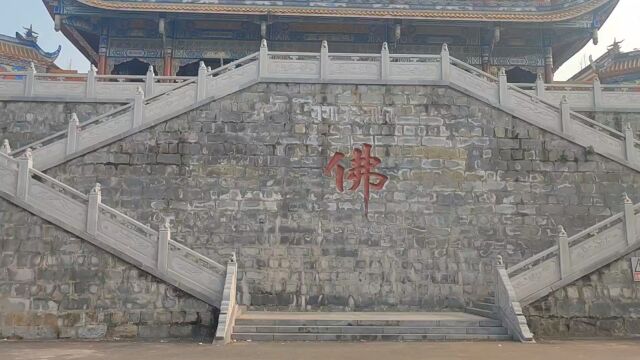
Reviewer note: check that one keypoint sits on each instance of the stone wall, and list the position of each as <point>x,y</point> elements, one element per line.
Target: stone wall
<point>54,285</point>
<point>25,122</point>
<point>604,303</point>
<point>245,174</point>
<point>466,182</point>
<point>618,120</point>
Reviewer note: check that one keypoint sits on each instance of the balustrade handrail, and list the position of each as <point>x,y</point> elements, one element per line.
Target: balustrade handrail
<point>574,238</point>
<point>293,53</point>
<point>471,69</point>
<point>63,133</point>
<point>146,228</point>
<point>125,108</point>
<point>51,180</point>
<point>231,65</point>
<point>582,118</point>
<point>197,254</point>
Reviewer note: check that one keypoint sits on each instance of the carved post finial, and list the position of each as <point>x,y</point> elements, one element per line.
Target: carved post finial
<point>97,189</point>
<point>626,199</point>
<point>233,258</point>
<point>202,66</point>
<point>561,231</point>
<point>385,47</point>
<point>6,148</point>
<point>564,100</point>
<point>74,119</point>
<point>28,154</point>
<point>324,45</point>
<point>499,261</point>
<point>166,225</point>
<point>32,67</point>
<point>445,47</point>
<point>629,126</point>
<point>139,91</point>
<point>263,44</point>
<point>150,70</point>
<point>539,77</point>
<point>502,72</point>
<point>596,79</point>
<point>92,69</point>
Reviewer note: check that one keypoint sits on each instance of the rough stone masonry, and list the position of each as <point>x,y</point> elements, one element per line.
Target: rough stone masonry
<point>245,173</point>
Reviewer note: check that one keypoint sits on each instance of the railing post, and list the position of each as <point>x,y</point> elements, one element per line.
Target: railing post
<point>95,199</point>
<point>597,94</point>
<point>324,60</point>
<point>202,82</point>
<point>503,87</point>
<point>384,62</point>
<point>630,144</point>
<point>149,81</point>
<point>5,148</point>
<point>25,163</point>
<point>72,134</point>
<point>564,256</point>
<point>540,86</point>
<point>263,59</point>
<point>138,108</point>
<point>163,246</point>
<point>91,82</point>
<point>445,63</point>
<point>565,114</point>
<point>30,80</point>
<point>629,220</point>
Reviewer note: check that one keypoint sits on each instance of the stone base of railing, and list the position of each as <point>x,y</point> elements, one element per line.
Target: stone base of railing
<point>508,308</point>
<point>229,308</point>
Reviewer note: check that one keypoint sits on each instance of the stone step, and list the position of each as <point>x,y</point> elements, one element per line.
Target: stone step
<point>480,312</point>
<point>366,337</point>
<point>489,300</point>
<point>246,329</point>
<point>368,322</point>
<point>483,305</point>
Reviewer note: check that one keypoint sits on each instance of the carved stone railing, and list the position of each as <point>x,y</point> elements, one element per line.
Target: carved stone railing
<point>81,138</point>
<point>588,97</point>
<point>33,86</point>
<point>325,67</point>
<point>86,217</point>
<point>577,256</point>
<point>508,307</point>
<point>229,309</point>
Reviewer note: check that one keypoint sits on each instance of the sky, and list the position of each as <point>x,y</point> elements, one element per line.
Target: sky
<point>623,24</point>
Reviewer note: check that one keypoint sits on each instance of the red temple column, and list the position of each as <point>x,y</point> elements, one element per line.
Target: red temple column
<point>168,61</point>
<point>485,58</point>
<point>548,64</point>
<point>102,51</point>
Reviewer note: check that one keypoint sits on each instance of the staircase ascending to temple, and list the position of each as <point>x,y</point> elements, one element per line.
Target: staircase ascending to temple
<point>86,217</point>
<point>154,251</point>
<point>324,67</point>
<point>368,326</point>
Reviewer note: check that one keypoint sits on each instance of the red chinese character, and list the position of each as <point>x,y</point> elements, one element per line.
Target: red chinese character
<point>360,171</point>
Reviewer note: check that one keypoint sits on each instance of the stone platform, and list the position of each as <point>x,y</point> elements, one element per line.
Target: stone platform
<point>368,326</point>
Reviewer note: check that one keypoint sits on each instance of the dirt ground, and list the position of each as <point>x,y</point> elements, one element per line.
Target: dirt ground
<point>546,350</point>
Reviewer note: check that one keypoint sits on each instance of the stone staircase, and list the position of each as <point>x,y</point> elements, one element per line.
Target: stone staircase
<point>355,326</point>
<point>86,217</point>
<point>577,256</point>
<point>81,138</point>
<point>484,307</point>
<point>153,251</point>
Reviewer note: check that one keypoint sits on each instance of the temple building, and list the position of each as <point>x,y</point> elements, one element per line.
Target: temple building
<point>527,37</point>
<point>614,67</point>
<point>17,53</point>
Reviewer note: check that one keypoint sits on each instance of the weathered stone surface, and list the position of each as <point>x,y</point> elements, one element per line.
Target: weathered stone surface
<point>604,303</point>
<point>245,174</point>
<point>25,122</point>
